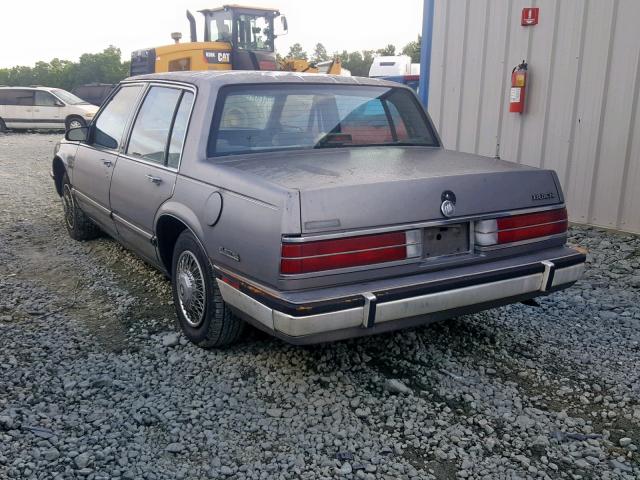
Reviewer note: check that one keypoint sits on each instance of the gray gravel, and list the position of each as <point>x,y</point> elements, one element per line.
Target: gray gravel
<point>95,384</point>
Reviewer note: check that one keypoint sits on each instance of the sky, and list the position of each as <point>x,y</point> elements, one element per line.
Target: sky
<point>45,29</point>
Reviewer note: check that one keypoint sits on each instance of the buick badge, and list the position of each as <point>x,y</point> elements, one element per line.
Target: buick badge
<point>448,206</point>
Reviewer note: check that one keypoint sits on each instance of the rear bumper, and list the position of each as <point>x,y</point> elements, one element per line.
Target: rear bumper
<point>312,317</point>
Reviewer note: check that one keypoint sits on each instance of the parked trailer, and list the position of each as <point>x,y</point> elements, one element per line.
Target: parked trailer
<point>397,68</point>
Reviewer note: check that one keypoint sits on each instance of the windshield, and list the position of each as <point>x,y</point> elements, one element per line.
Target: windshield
<point>278,117</point>
<point>254,32</point>
<point>68,98</point>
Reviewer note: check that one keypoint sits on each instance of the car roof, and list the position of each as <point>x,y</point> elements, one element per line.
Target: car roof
<point>234,77</point>
<point>30,87</point>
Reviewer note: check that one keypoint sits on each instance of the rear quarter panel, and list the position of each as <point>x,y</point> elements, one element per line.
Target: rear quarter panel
<point>244,236</point>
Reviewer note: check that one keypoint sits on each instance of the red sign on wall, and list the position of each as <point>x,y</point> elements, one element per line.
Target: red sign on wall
<point>530,16</point>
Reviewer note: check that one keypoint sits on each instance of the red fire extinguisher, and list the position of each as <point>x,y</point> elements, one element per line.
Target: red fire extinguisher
<point>518,87</point>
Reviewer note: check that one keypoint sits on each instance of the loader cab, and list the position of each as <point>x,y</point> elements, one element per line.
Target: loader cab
<point>250,31</point>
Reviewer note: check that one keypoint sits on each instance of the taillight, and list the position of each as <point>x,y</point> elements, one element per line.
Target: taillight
<point>348,252</point>
<point>518,228</point>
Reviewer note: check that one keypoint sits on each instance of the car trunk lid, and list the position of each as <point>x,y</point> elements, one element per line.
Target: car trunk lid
<point>358,188</point>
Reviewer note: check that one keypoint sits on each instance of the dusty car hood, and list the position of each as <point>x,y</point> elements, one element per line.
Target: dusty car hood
<point>364,187</point>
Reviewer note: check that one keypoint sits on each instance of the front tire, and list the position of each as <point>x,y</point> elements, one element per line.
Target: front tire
<point>203,316</point>
<point>74,122</point>
<point>3,126</point>
<point>78,224</point>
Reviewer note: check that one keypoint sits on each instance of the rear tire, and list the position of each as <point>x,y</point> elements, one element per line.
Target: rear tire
<point>3,126</point>
<point>203,316</point>
<point>79,226</point>
<point>74,122</point>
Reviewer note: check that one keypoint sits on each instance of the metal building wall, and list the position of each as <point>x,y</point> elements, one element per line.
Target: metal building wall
<point>581,114</point>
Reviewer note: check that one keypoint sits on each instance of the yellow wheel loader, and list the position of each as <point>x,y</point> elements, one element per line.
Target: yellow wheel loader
<point>235,38</point>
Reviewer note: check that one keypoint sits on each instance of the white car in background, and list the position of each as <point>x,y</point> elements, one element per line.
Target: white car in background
<point>42,107</point>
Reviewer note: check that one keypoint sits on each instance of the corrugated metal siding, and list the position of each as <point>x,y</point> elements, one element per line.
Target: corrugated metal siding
<point>581,116</point>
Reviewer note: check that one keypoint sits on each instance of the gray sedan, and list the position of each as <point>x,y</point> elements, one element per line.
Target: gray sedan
<point>313,207</point>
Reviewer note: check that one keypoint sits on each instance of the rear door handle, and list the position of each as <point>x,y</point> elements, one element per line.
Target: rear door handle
<point>152,179</point>
<point>107,163</point>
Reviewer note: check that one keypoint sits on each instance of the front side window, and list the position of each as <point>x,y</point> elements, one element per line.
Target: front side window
<point>276,117</point>
<point>68,98</point>
<point>151,129</point>
<point>112,121</point>
<point>44,99</point>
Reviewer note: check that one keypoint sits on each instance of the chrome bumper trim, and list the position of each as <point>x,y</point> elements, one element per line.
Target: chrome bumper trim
<point>455,298</point>
<point>460,297</point>
<point>246,304</point>
<point>567,275</point>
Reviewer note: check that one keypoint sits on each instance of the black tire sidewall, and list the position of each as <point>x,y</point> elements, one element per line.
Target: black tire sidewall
<point>72,231</point>
<point>3,126</point>
<point>68,121</point>
<point>83,228</point>
<point>187,241</point>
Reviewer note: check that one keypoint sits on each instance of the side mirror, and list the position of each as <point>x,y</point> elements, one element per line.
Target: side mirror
<point>58,103</point>
<point>80,134</point>
<point>284,27</point>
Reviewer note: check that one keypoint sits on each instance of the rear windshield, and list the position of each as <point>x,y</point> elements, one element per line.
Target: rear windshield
<point>255,118</point>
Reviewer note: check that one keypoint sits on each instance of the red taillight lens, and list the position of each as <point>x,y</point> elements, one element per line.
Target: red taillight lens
<point>528,219</point>
<point>521,227</point>
<point>347,252</point>
<point>527,233</point>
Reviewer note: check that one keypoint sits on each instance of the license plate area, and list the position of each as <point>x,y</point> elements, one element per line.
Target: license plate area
<point>446,240</point>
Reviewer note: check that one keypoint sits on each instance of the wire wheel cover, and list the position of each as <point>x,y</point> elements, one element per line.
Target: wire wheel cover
<point>191,288</point>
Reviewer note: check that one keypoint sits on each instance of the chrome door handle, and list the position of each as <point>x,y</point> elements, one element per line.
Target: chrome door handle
<point>152,179</point>
<point>107,163</point>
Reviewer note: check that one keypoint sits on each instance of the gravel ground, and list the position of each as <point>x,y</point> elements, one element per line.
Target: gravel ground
<point>95,384</point>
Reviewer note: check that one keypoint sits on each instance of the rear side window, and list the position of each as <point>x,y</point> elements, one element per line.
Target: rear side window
<point>16,97</point>
<point>112,121</point>
<point>292,116</point>
<point>179,130</point>
<point>151,129</point>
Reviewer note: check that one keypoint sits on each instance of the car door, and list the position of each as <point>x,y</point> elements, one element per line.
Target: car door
<point>93,165</point>
<point>145,173</point>
<point>48,111</point>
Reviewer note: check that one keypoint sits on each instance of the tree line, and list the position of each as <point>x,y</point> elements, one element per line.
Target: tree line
<point>104,67</point>
<point>108,67</point>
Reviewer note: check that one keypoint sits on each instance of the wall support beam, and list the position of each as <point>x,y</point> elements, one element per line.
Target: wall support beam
<point>425,51</point>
